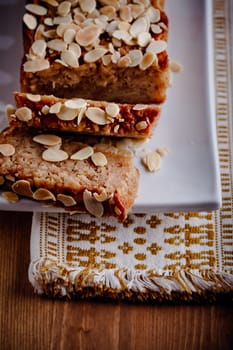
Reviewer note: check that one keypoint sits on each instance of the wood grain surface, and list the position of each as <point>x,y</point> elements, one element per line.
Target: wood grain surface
<point>31,322</point>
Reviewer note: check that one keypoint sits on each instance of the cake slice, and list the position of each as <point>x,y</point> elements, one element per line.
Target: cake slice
<point>103,50</point>
<point>65,172</point>
<point>84,116</point>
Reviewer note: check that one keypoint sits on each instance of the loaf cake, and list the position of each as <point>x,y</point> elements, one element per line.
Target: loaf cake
<point>63,171</point>
<point>84,116</point>
<point>105,50</point>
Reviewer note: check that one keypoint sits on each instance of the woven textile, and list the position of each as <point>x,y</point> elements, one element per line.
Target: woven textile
<point>178,256</point>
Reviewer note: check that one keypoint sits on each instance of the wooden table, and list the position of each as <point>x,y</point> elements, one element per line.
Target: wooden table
<point>32,322</point>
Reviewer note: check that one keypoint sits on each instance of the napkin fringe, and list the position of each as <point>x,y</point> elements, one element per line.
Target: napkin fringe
<point>63,281</point>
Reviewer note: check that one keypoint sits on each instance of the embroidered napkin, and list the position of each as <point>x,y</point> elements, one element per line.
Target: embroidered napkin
<point>178,256</point>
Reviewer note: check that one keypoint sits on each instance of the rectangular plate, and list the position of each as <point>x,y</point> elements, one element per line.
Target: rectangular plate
<point>189,175</point>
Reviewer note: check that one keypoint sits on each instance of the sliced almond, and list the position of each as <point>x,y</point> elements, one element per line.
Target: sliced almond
<point>175,66</point>
<point>122,35</point>
<point>124,62</point>
<point>69,58</point>
<point>36,65</point>
<point>112,109</point>
<point>143,39</point>
<point>48,21</point>
<point>75,103</point>
<point>94,55</point>
<point>139,107</point>
<point>87,5</point>
<point>106,59</point>
<point>55,108</point>
<point>148,59</point>
<point>54,155</point>
<point>87,35</point>
<point>156,29</point>
<point>83,153</point>
<point>152,161</point>
<point>67,114</point>
<point>36,9</point>
<point>23,188</point>
<point>10,196</point>
<point>39,48</point>
<point>64,8</point>
<point>24,114</point>
<point>42,194</point>
<point>153,14</point>
<point>102,196</point>
<point>10,177</point>
<point>81,114</point>
<point>141,125</point>
<point>69,35</point>
<point>47,139</point>
<point>138,26</point>
<point>92,205</point>
<point>57,45</point>
<point>33,98</point>
<point>76,49</point>
<point>99,159</point>
<point>96,115</point>
<point>7,149</point>
<point>62,19</point>
<point>125,13</point>
<point>45,109</point>
<point>67,201</point>
<point>30,21</point>
<point>162,151</point>
<point>137,10</point>
<point>135,57</point>
<point>108,11</point>
<point>156,46</point>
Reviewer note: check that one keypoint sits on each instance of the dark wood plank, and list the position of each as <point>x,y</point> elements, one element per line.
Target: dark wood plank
<point>31,322</point>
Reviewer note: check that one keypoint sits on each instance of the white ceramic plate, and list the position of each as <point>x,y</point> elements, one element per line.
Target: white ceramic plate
<point>189,175</point>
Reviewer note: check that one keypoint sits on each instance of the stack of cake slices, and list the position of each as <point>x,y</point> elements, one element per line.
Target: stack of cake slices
<point>91,71</point>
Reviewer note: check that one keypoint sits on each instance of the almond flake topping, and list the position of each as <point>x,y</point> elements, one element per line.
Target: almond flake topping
<point>138,26</point>
<point>10,196</point>
<point>94,55</point>
<point>67,201</point>
<point>99,159</point>
<point>47,139</point>
<point>112,109</point>
<point>143,39</point>
<point>148,59</point>
<point>96,115</point>
<point>69,58</point>
<point>39,48</point>
<point>23,188</point>
<point>24,114</point>
<point>87,35</point>
<point>54,155</point>
<point>92,205</point>
<point>156,46</point>
<point>55,108</point>
<point>75,103</point>
<point>67,114</point>
<point>36,65</point>
<point>42,194</point>
<point>156,29</point>
<point>175,66</point>
<point>76,49</point>
<point>69,35</point>
<point>152,161</point>
<point>141,125</point>
<point>36,9</point>
<point>7,149</point>
<point>45,109</point>
<point>139,107</point>
<point>135,57</point>
<point>87,5</point>
<point>102,196</point>
<point>30,21</point>
<point>33,98</point>
<point>57,45</point>
<point>64,8</point>
<point>83,153</point>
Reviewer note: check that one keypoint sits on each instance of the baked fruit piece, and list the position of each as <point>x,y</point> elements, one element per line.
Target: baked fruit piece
<point>62,171</point>
<point>105,50</point>
<point>84,116</point>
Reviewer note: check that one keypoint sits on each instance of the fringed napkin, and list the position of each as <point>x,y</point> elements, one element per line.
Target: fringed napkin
<point>181,256</point>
